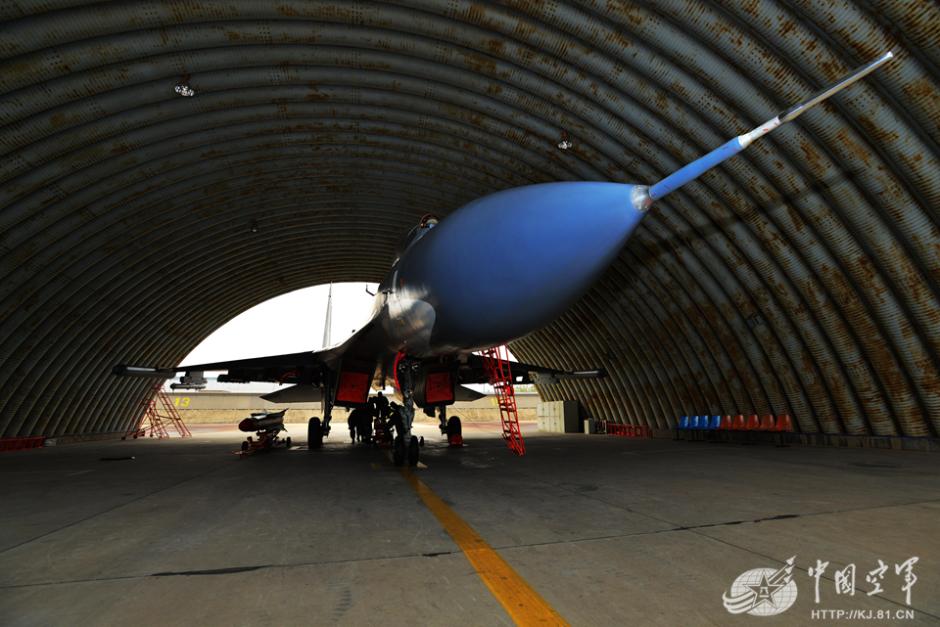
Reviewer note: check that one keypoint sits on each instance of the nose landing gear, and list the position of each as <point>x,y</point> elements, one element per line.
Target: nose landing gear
<point>410,453</point>
<point>413,451</point>
<point>398,451</point>
<point>405,371</point>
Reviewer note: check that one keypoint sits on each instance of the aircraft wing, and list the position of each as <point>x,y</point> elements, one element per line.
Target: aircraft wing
<point>290,368</point>
<point>302,368</point>
<point>523,373</point>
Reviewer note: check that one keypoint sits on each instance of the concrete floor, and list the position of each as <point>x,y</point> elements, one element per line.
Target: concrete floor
<point>608,530</point>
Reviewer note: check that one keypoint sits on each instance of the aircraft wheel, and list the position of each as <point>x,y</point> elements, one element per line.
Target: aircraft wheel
<point>244,446</point>
<point>413,450</point>
<point>314,433</point>
<point>454,427</point>
<point>398,451</point>
<point>287,443</point>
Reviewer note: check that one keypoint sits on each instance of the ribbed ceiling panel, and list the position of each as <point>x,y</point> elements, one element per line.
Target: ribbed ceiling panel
<point>800,277</point>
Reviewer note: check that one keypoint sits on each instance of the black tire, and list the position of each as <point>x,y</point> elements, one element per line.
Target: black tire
<point>413,452</point>
<point>398,451</point>
<point>314,433</point>
<point>287,443</point>
<point>244,445</point>
<point>453,426</point>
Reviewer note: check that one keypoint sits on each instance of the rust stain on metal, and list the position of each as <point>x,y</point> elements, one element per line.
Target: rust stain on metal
<point>796,219</point>
<point>751,7</point>
<point>931,382</point>
<point>476,13</point>
<point>832,69</point>
<point>522,30</point>
<point>813,158</point>
<point>873,342</point>
<point>662,102</point>
<point>867,269</point>
<point>922,89</point>
<point>787,27</point>
<point>630,12</point>
<point>877,131</point>
<point>618,38</point>
<point>494,46</point>
<point>479,63</point>
<point>856,149</point>
<point>679,89</point>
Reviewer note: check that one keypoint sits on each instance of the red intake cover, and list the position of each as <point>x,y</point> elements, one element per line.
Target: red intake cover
<point>353,387</point>
<point>438,388</point>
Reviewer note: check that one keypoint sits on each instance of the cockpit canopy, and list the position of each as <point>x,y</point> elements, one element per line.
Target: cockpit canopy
<point>428,222</point>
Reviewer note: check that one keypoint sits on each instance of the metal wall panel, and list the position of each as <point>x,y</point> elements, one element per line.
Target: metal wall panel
<point>800,277</point>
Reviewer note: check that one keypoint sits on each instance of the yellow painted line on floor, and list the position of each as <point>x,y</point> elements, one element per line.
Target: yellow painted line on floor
<point>523,604</point>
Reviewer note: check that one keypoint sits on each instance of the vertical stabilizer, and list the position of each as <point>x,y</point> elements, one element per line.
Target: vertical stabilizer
<point>328,324</point>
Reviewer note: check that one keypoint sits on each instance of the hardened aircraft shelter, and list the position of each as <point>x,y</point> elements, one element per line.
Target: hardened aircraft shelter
<point>168,165</point>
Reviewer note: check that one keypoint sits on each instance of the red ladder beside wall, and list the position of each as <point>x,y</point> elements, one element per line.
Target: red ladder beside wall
<point>496,363</point>
<point>159,412</point>
<point>172,414</point>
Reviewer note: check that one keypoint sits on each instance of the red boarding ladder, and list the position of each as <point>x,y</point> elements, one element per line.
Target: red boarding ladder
<point>159,412</point>
<point>496,364</point>
<point>171,413</point>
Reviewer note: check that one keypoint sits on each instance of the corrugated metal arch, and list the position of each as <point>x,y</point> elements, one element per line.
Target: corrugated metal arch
<point>801,277</point>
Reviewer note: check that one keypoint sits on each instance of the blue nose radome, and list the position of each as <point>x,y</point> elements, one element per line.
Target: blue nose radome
<point>511,262</point>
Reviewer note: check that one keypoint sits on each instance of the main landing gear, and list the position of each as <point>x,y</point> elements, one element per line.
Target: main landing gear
<point>450,427</point>
<point>454,432</point>
<point>317,430</point>
<point>314,433</point>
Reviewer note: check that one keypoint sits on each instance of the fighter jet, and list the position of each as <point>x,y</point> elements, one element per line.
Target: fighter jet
<point>493,271</point>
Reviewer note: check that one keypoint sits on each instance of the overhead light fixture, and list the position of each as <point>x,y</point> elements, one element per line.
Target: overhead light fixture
<point>183,87</point>
<point>254,226</point>
<point>565,142</point>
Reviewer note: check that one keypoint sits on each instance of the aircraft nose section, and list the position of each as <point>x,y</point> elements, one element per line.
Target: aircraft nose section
<point>509,263</point>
